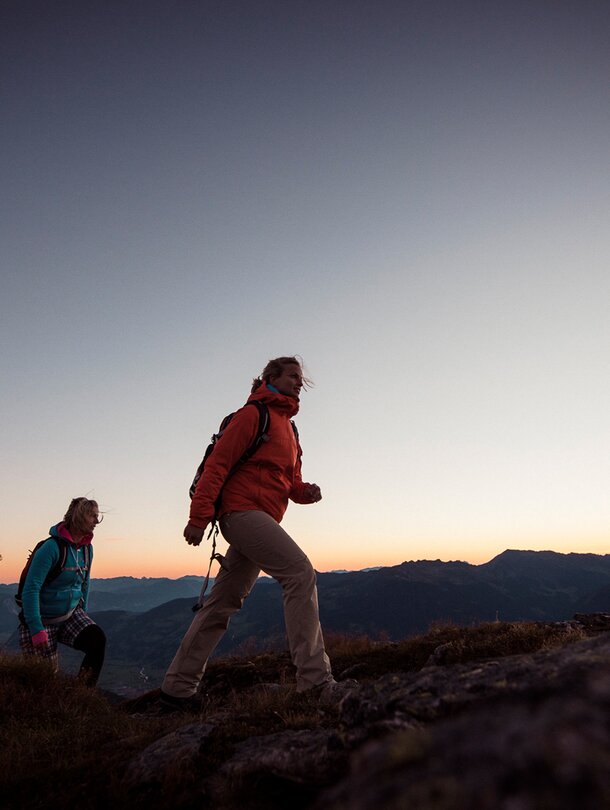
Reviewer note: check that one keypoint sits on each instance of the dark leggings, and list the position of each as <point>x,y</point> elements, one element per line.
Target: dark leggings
<point>91,641</point>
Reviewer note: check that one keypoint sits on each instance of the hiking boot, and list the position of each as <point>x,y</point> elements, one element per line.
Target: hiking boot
<point>331,693</point>
<point>168,704</point>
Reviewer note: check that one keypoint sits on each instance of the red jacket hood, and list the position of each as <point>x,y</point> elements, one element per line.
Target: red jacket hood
<point>287,405</point>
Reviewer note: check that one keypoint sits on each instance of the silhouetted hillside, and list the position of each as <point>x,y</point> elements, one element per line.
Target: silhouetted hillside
<point>391,603</point>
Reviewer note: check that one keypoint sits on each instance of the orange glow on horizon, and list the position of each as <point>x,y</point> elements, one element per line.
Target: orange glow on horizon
<point>326,562</point>
<point>120,558</point>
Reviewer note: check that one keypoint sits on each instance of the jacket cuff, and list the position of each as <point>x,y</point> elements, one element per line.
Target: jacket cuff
<point>201,522</point>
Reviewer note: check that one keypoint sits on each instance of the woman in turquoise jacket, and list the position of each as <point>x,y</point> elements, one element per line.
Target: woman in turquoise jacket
<point>55,604</point>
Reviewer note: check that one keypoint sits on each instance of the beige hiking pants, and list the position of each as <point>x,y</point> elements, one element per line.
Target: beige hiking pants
<point>256,542</point>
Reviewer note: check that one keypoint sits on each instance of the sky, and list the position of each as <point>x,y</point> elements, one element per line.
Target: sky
<point>412,196</point>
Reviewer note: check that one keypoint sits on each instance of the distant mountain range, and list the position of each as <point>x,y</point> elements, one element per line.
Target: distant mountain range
<point>391,603</point>
<point>138,595</point>
<point>118,593</point>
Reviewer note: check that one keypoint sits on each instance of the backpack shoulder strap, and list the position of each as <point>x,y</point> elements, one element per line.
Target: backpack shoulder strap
<point>61,563</point>
<point>262,432</point>
<point>87,555</point>
<point>295,430</point>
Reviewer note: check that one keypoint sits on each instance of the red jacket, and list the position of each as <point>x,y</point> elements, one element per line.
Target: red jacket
<point>266,481</point>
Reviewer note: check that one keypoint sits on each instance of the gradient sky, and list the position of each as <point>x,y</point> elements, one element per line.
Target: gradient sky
<point>414,196</point>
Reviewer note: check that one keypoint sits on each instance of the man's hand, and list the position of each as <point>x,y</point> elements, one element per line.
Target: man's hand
<point>194,534</point>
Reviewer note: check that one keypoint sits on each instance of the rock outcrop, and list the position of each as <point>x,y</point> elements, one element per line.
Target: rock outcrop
<point>527,733</point>
<point>524,732</point>
<point>181,748</point>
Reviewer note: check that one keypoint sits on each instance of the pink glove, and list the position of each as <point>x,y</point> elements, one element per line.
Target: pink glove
<point>40,638</point>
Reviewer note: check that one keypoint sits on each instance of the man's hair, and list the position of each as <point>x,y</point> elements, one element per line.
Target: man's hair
<point>79,509</point>
<point>274,368</point>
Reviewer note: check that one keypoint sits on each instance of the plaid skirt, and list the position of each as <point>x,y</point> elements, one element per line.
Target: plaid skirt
<point>62,633</point>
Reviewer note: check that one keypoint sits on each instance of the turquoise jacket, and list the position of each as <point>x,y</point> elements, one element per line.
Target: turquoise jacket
<point>63,594</point>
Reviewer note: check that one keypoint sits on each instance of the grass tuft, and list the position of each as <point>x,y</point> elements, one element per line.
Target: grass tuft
<point>62,743</point>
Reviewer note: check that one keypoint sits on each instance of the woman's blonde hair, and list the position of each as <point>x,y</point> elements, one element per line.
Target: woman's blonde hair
<point>274,368</point>
<point>79,509</point>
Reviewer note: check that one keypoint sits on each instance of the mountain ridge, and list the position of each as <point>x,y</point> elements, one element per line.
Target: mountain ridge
<point>392,603</point>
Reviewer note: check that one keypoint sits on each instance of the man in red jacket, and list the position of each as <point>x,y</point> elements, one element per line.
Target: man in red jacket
<point>252,503</point>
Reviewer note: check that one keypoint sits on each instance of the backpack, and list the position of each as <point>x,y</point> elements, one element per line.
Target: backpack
<point>261,436</point>
<point>54,572</point>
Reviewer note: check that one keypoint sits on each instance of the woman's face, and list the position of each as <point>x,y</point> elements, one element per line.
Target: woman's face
<point>90,521</point>
<point>290,381</point>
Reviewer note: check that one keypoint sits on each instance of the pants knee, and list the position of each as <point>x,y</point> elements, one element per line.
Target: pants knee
<point>303,580</point>
<point>91,638</point>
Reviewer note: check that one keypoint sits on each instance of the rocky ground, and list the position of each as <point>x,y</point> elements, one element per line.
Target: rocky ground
<point>521,732</point>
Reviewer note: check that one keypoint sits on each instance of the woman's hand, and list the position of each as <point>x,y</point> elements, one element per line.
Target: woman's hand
<point>313,493</point>
<point>40,640</point>
<point>194,534</point>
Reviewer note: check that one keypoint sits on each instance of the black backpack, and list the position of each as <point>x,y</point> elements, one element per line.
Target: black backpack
<point>55,571</point>
<point>261,436</point>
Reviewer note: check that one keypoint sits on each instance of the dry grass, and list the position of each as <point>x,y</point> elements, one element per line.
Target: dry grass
<point>63,745</point>
<point>364,659</point>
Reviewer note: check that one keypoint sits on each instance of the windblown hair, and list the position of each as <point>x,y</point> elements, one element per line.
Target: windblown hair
<point>274,368</point>
<point>79,509</point>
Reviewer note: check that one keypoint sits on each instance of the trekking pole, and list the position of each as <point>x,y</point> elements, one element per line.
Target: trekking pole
<point>213,533</point>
